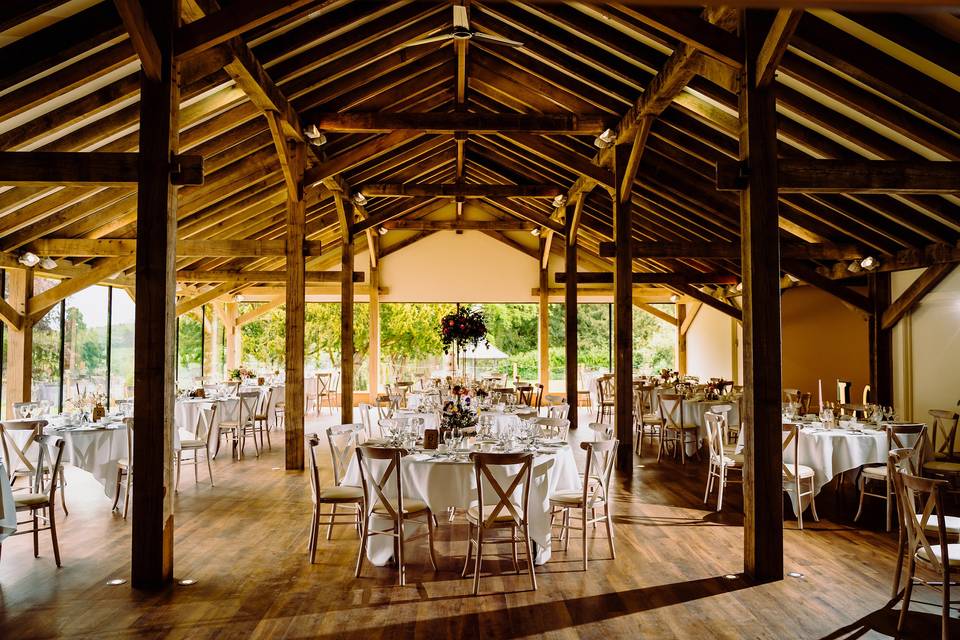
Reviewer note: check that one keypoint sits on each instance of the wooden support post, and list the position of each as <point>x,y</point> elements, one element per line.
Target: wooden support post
<point>570,326</point>
<point>734,351</point>
<point>295,312</point>
<point>231,330</point>
<point>154,358</point>
<point>19,343</point>
<point>760,255</point>
<point>881,341</point>
<point>543,320</point>
<point>346,327</point>
<point>373,366</point>
<point>681,339</point>
<point>623,316</point>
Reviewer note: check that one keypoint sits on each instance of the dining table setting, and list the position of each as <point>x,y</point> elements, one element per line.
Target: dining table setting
<point>187,408</point>
<point>444,478</point>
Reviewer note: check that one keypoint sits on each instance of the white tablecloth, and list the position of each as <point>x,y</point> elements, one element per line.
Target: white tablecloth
<point>96,451</point>
<point>444,484</point>
<point>8,513</point>
<point>187,410</point>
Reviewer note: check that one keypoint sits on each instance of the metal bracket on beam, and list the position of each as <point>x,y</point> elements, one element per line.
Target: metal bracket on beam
<point>187,170</point>
<point>732,175</point>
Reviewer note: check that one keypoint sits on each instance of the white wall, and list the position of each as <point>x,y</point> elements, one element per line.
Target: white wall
<point>710,346</point>
<point>927,378</point>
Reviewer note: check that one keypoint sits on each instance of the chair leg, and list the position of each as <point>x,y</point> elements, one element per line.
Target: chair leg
<point>706,493</point>
<point>476,567</point>
<point>513,546</point>
<point>944,614</point>
<point>583,535</point>
<point>566,528</point>
<point>36,534</point>
<point>722,481</point>
<point>176,483</point>
<point>400,565</point>
<point>433,555</point>
<point>608,519</point>
<point>901,549</point>
<point>314,525</point>
<point>363,543</point>
<point>333,515</point>
<point>126,493</point>
<point>813,503</point>
<point>907,593</point>
<point>53,535</point>
<point>526,546</point>
<point>267,429</point>
<point>206,455</point>
<point>116,490</point>
<point>63,494</point>
<point>889,504</point>
<point>469,554</point>
<point>863,490</point>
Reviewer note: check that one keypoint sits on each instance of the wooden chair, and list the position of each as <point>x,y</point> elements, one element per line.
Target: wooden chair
<point>941,559</point>
<point>386,406</point>
<point>202,434</point>
<point>805,398</point>
<point>324,382</point>
<point>673,429</point>
<point>525,394</point>
<point>280,414</point>
<point>41,501</point>
<point>343,440</point>
<point>843,391</point>
<point>796,475</point>
<point>17,457</point>
<point>24,410</point>
<point>364,410</point>
<point>506,395</point>
<point>552,428</point>
<point>601,430</point>
<point>125,468</point>
<point>505,514</point>
<point>943,434</point>
<point>605,397</point>
<point>537,397</point>
<point>240,429</point>
<point>595,495</point>
<point>583,391</point>
<point>261,415</point>
<point>896,435</point>
<point>558,411</point>
<point>385,492</point>
<point>721,461</point>
<point>646,416</point>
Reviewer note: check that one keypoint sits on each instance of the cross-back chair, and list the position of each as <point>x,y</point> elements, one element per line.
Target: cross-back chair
<point>18,457</point>
<point>262,415</point>
<point>899,436</point>
<point>796,476</point>
<point>673,428</point>
<point>721,461</point>
<point>384,490</point>
<point>237,431</point>
<point>552,428</point>
<point>941,461</point>
<point>561,411</point>
<point>646,415</point>
<point>940,558</point>
<point>594,495</point>
<point>605,397</point>
<point>200,442</point>
<point>364,410</point>
<point>41,501</point>
<point>505,514</point>
<point>343,440</point>
<point>125,471</point>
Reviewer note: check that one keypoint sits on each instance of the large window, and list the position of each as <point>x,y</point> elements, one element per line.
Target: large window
<point>85,343</point>
<point>409,340</point>
<point>47,350</point>
<point>189,349</point>
<point>121,345</point>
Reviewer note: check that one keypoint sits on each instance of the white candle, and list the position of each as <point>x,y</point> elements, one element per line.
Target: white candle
<point>820,392</point>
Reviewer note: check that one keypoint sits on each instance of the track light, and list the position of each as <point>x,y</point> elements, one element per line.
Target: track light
<point>792,278</point>
<point>674,298</point>
<point>739,286</point>
<point>605,139</point>
<point>559,201</point>
<point>383,231</point>
<point>535,231</point>
<point>869,263</point>
<point>854,267</point>
<point>359,199</point>
<point>29,259</point>
<point>48,263</point>
<point>315,136</point>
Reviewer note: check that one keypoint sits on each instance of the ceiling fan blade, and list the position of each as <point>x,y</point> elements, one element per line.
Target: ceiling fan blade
<point>440,38</point>
<point>460,19</point>
<point>486,37</point>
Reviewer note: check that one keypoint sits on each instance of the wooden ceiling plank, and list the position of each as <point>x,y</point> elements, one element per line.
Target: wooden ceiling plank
<point>775,44</point>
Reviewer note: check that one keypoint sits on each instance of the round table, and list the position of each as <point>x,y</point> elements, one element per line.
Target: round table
<point>444,484</point>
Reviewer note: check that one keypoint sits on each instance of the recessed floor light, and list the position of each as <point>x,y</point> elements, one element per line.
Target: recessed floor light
<point>641,466</point>
<point>795,574</point>
<point>116,582</point>
<point>276,469</point>
<point>731,576</point>
<point>186,582</point>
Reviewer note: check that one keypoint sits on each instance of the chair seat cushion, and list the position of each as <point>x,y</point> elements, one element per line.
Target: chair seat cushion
<point>950,523</point>
<point>409,506</point>
<point>569,498</point>
<point>30,500</point>
<point>345,493</point>
<point>879,473</point>
<point>123,463</point>
<point>504,515</point>
<point>651,418</point>
<point>801,470</point>
<point>942,467</point>
<point>953,550</point>
<point>192,444</point>
<point>732,459</point>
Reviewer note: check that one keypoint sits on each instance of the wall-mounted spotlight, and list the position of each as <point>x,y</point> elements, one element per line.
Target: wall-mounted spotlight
<point>535,231</point>
<point>359,199</point>
<point>869,263</point>
<point>315,136</point>
<point>605,139</point>
<point>29,259</point>
<point>559,201</point>
<point>382,231</point>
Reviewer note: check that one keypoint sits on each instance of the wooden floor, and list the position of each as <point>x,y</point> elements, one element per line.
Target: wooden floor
<point>244,542</point>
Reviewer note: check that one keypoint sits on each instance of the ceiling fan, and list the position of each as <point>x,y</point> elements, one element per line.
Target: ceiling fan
<point>462,31</point>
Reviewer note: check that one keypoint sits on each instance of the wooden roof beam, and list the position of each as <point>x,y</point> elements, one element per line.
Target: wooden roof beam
<point>449,123</point>
<point>606,277</point>
<point>461,225</point>
<point>810,275</point>
<point>905,259</point>
<point>731,250</point>
<point>912,296</point>
<point>243,277</point>
<point>454,190</point>
<point>68,168</point>
<point>360,154</point>
<point>144,42</point>
<point>775,44</point>
<point>851,176</point>
<point>498,205</point>
<point>89,248</point>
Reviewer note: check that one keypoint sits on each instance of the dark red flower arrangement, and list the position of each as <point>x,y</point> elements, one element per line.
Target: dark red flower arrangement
<point>465,327</point>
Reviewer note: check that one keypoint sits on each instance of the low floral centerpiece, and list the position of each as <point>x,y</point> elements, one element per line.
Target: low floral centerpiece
<point>459,413</point>
<point>88,404</point>
<point>668,376</point>
<point>241,373</point>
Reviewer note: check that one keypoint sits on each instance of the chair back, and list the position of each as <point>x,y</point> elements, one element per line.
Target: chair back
<point>716,424</point>
<point>805,398</point>
<point>49,462</point>
<point>205,423</point>
<point>247,406</point>
<point>525,394</point>
<point>605,387</point>
<point>943,432</point>
<point>129,424</point>
<point>899,435</point>
<point>601,456</point>
<point>913,491</point>
<point>647,395</point>
<point>379,485</point>
<point>603,430</point>
<point>561,411</point>
<point>364,410</point>
<point>843,391</point>
<point>314,469</point>
<point>343,440</point>
<point>552,428</point>
<point>791,439</point>
<point>334,381</point>
<point>16,455</point>
<point>264,404</point>
<point>537,396</point>
<point>671,410</point>
<point>483,463</point>
<point>791,395</point>
<point>125,407</point>
<point>23,410</point>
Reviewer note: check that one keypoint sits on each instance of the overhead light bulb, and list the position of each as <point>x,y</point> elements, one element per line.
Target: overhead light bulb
<point>674,298</point>
<point>383,231</point>
<point>29,259</point>
<point>854,267</point>
<point>605,139</point>
<point>559,201</point>
<point>535,231</point>
<point>315,136</point>
<point>869,263</point>
<point>739,286</point>
<point>359,199</point>
<point>48,263</point>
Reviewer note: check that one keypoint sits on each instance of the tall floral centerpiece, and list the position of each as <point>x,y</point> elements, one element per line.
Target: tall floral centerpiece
<point>464,327</point>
